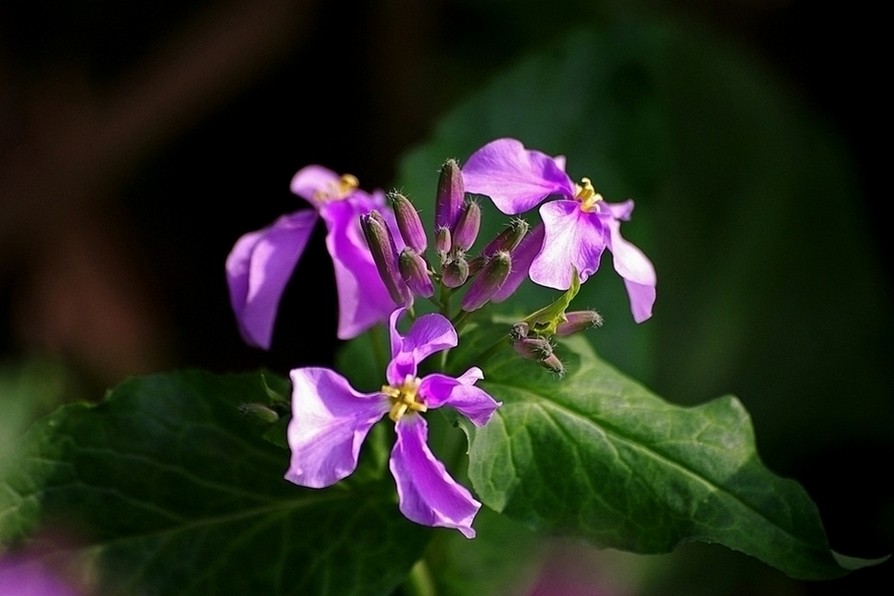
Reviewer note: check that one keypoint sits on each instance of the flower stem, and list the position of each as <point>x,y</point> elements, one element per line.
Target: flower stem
<point>446,293</point>
<point>379,355</point>
<point>420,581</point>
<point>459,320</point>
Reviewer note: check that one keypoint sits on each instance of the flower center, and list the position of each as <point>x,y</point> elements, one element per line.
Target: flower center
<point>587,195</point>
<point>336,191</point>
<point>404,397</point>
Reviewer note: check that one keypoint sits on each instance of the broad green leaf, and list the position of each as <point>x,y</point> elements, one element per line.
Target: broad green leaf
<point>598,457</point>
<point>171,491</point>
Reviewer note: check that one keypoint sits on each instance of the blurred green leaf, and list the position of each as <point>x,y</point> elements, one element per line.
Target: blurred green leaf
<point>174,492</point>
<point>504,559</point>
<point>596,456</point>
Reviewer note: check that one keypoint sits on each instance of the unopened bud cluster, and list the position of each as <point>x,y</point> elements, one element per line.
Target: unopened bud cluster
<point>405,270</point>
<point>398,247</point>
<point>531,344</point>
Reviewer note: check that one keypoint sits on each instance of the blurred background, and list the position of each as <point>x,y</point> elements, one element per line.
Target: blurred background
<point>139,140</point>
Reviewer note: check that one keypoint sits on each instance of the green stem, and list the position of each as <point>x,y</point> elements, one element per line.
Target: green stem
<point>459,321</point>
<point>380,356</point>
<point>445,293</point>
<point>420,582</point>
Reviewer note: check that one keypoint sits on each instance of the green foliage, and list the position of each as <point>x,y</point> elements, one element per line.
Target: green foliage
<point>174,492</point>
<point>598,457</point>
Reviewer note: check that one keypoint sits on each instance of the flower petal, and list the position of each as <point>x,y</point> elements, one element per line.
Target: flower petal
<point>310,180</point>
<point>571,237</point>
<point>438,390</point>
<point>329,422</point>
<point>427,493</point>
<point>514,178</point>
<point>636,269</point>
<point>428,334</point>
<point>363,300</point>
<point>258,269</point>
<point>621,211</point>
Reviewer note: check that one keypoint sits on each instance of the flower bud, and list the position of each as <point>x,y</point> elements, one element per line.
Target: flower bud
<point>522,257</point>
<point>519,331</point>
<point>466,229</point>
<point>384,254</point>
<point>443,243</point>
<point>455,272</point>
<point>408,222</point>
<point>449,201</point>
<point>414,271</point>
<point>487,282</point>
<point>578,321</point>
<point>508,239</point>
<point>533,348</point>
<point>553,364</point>
<point>259,413</point>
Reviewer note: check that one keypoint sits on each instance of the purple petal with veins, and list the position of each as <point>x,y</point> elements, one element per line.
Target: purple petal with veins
<point>636,270</point>
<point>363,300</point>
<point>515,179</point>
<point>428,495</point>
<point>571,237</point>
<point>258,270</point>
<point>329,422</point>
<point>460,394</point>
<point>428,334</point>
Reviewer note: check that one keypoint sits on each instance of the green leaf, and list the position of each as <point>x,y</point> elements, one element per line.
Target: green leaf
<point>171,491</point>
<point>598,457</point>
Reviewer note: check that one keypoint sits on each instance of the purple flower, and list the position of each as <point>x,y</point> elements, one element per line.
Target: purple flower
<point>261,263</point>
<point>577,227</point>
<point>330,420</point>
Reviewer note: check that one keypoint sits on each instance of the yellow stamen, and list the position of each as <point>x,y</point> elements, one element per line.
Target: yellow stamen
<point>404,398</point>
<point>587,195</point>
<point>336,191</point>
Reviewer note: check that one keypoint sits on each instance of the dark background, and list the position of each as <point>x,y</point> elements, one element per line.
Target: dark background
<point>139,140</point>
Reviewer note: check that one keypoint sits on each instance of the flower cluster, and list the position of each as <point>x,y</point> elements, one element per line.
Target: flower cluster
<point>378,249</point>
